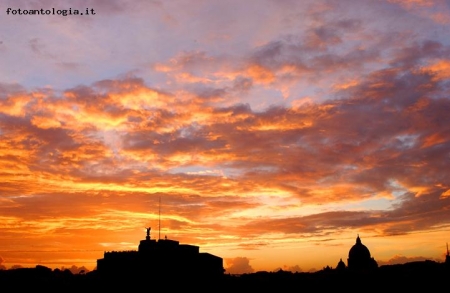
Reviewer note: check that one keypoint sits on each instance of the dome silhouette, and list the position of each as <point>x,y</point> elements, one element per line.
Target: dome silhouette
<point>359,250</point>
<point>341,265</point>
<point>359,257</point>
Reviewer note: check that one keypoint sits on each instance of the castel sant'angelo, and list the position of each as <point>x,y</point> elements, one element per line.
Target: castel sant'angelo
<point>161,257</point>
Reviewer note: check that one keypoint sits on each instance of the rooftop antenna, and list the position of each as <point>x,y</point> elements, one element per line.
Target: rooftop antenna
<point>159,220</point>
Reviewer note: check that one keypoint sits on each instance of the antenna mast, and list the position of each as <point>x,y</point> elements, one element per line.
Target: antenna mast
<point>159,220</point>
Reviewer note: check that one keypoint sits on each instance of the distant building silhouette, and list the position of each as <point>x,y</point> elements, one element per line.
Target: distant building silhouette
<point>341,265</point>
<point>359,258</point>
<point>162,257</point>
<point>447,258</point>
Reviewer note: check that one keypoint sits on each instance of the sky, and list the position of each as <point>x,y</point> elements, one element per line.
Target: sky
<point>270,133</point>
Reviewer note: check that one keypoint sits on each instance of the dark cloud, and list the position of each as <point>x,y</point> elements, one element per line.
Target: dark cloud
<point>70,66</point>
<point>39,48</point>
<point>7,89</point>
<point>238,265</point>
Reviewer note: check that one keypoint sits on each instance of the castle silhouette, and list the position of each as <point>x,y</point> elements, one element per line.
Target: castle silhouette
<point>162,257</point>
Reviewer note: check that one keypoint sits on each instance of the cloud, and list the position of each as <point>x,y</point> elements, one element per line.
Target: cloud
<point>436,10</point>
<point>400,259</point>
<point>294,269</point>
<point>76,270</point>
<point>117,134</point>
<point>238,265</point>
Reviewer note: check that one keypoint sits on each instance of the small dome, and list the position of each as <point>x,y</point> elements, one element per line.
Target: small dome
<point>340,265</point>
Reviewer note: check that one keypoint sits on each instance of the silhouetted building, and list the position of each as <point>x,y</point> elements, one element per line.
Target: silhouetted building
<point>162,257</point>
<point>341,265</point>
<point>359,258</point>
<point>447,258</point>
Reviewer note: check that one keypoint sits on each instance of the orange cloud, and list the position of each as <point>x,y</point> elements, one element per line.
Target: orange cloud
<point>45,122</point>
<point>346,85</point>
<point>439,69</point>
<point>261,74</point>
<point>446,193</point>
<point>15,105</point>
<point>435,138</point>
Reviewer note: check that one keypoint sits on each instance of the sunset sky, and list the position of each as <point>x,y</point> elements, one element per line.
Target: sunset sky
<point>270,133</point>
